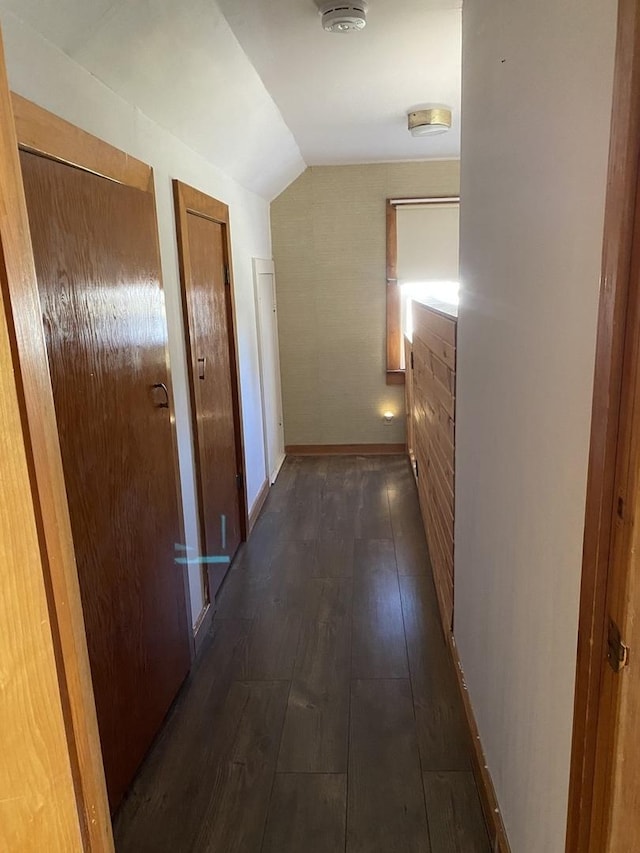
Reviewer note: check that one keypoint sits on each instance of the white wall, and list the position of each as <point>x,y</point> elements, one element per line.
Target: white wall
<point>47,76</point>
<point>537,85</point>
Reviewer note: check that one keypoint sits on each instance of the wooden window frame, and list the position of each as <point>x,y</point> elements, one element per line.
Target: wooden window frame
<point>189,200</point>
<point>395,371</point>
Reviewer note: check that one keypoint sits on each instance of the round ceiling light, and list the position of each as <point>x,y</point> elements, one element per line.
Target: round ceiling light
<point>429,122</point>
<point>343,17</point>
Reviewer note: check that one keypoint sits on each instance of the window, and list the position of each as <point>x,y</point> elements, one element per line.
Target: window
<point>422,263</point>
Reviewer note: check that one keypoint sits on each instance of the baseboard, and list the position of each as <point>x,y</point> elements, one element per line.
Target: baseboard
<point>276,471</point>
<point>256,509</point>
<point>202,626</point>
<point>488,799</point>
<point>345,449</point>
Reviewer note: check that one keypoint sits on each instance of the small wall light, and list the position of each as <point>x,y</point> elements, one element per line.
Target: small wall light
<point>388,417</point>
<point>429,122</point>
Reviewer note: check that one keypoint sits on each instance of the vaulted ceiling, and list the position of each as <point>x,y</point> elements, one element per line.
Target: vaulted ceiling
<point>257,87</point>
<point>346,97</point>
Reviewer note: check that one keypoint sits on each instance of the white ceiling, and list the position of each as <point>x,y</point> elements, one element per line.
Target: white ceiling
<point>257,87</point>
<point>345,97</point>
<point>178,62</point>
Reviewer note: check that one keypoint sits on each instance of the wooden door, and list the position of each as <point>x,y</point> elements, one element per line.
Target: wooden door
<point>604,793</point>
<point>208,305</point>
<point>52,791</point>
<point>269,356</point>
<point>97,266</point>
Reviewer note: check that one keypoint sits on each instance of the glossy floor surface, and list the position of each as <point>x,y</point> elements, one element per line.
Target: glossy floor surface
<point>322,714</point>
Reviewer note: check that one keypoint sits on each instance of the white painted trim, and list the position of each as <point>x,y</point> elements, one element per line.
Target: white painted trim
<point>276,470</point>
<point>266,266</point>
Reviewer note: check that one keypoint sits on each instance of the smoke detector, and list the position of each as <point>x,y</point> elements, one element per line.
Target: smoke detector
<point>343,17</point>
<point>429,122</point>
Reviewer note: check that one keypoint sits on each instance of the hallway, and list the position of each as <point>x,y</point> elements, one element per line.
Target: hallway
<point>322,714</point>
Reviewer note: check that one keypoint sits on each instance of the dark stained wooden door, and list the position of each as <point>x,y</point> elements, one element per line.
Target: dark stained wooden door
<point>97,264</point>
<point>208,307</point>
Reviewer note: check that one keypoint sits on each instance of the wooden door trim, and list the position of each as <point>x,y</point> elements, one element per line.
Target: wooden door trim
<point>200,204</point>
<point>615,291</point>
<point>192,201</point>
<point>49,496</point>
<point>47,134</point>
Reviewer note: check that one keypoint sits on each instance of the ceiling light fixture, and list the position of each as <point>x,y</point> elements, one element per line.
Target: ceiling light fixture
<point>429,122</point>
<point>343,17</point>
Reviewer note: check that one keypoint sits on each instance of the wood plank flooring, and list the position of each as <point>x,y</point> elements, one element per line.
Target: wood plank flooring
<point>322,714</point>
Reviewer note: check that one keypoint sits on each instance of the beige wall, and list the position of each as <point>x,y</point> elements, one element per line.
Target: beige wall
<point>534,165</point>
<point>329,247</point>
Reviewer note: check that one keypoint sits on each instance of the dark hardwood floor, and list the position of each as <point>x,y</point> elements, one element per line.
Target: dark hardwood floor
<point>322,714</point>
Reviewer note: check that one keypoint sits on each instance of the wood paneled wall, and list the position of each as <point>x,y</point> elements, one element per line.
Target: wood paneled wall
<point>430,390</point>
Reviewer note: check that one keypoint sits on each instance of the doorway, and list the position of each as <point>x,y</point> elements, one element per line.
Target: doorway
<point>208,304</point>
<point>95,247</point>
<point>264,282</point>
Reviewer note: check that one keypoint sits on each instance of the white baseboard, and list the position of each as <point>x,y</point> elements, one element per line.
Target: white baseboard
<point>276,470</point>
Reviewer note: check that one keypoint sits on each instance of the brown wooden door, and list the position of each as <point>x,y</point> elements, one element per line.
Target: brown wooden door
<point>208,306</point>
<point>97,265</point>
<point>604,792</point>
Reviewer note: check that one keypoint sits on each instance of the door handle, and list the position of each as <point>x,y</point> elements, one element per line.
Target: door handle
<point>202,362</point>
<point>165,403</point>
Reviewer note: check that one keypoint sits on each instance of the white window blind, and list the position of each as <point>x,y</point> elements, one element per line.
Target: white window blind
<point>428,242</point>
<point>427,264</point>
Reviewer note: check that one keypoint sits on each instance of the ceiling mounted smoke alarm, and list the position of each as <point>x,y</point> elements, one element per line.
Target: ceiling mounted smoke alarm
<point>343,17</point>
<point>429,122</point>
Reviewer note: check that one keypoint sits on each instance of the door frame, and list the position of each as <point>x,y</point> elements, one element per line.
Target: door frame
<point>188,200</point>
<point>48,493</point>
<point>588,795</point>
<point>264,266</point>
